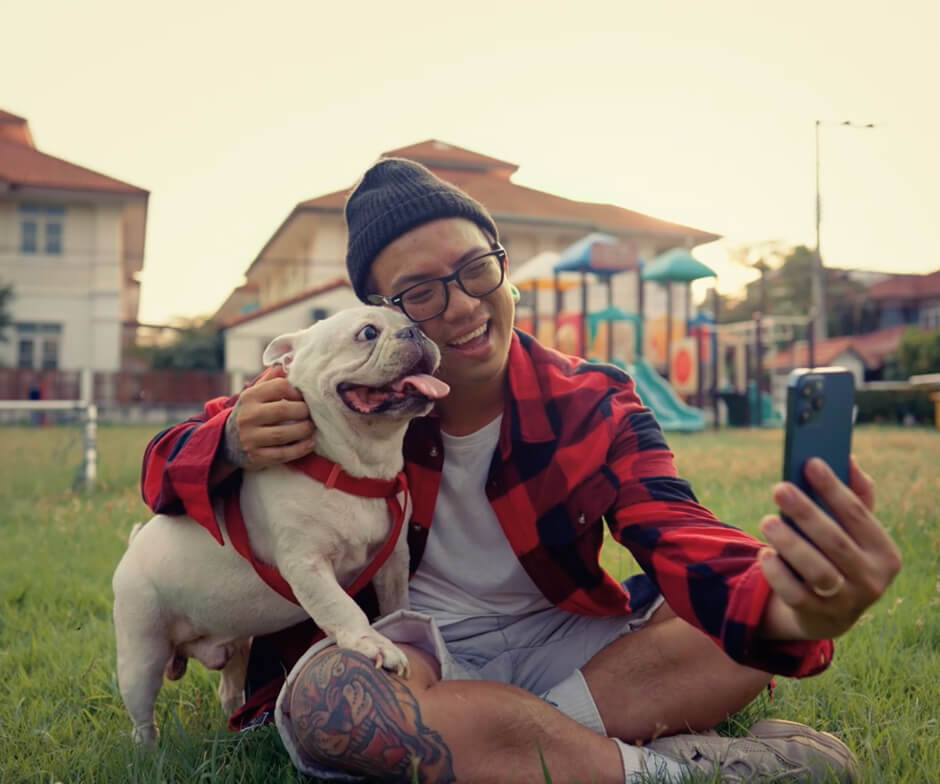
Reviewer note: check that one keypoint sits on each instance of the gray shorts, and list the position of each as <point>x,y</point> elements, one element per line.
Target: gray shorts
<point>540,652</point>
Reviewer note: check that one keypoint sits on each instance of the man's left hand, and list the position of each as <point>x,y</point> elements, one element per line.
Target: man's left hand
<point>847,560</point>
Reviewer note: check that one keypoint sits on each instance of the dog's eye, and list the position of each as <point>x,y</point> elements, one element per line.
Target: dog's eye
<point>368,332</point>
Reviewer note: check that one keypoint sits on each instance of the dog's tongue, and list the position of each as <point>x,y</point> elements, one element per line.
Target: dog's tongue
<point>426,384</point>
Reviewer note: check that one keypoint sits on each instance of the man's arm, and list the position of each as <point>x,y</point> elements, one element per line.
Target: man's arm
<point>267,424</point>
<point>846,561</point>
<point>709,572</point>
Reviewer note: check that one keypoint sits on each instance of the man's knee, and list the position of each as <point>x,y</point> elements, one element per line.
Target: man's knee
<point>347,715</point>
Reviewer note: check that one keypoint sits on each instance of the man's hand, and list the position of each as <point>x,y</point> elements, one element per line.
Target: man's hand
<point>270,424</point>
<point>846,565</point>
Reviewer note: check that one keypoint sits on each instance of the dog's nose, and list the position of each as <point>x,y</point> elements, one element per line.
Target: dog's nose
<point>409,333</point>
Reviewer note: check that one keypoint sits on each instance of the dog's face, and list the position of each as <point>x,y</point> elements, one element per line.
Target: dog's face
<point>362,362</point>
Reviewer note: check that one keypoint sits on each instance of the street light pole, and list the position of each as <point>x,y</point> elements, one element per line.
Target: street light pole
<point>818,281</point>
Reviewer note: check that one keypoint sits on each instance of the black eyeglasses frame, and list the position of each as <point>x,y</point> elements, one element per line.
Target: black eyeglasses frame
<point>396,300</point>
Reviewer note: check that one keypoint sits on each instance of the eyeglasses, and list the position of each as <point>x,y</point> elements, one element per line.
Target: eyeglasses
<point>423,301</point>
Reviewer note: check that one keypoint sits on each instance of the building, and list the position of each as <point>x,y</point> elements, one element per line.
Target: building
<point>907,299</point>
<point>308,249</point>
<point>71,244</point>
<point>247,336</point>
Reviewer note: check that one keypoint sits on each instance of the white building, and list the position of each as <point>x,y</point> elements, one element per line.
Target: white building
<point>247,336</point>
<point>71,244</point>
<point>308,249</point>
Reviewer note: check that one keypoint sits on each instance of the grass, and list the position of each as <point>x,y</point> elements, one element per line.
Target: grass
<point>61,718</point>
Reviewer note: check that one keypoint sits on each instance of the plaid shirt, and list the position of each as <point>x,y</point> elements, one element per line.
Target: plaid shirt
<point>576,449</point>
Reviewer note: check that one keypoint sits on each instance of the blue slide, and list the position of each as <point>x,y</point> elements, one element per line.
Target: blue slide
<point>668,408</point>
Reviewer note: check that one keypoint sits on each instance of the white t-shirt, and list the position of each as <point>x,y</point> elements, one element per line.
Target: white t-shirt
<point>468,568</point>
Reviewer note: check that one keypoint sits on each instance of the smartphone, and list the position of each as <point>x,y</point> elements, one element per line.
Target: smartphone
<point>820,415</point>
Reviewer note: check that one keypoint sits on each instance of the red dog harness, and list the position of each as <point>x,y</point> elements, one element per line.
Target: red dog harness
<point>331,475</point>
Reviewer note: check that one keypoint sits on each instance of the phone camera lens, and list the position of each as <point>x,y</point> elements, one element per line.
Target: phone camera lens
<point>808,388</point>
<point>819,401</point>
<point>805,415</point>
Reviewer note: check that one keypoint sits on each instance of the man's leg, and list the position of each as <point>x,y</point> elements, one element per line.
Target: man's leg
<point>347,715</point>
<point>665,678</point>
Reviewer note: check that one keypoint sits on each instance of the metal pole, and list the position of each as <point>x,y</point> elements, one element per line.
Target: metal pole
<point>610,322</point>
<point>584,307</point>
<point>715,359</point>
<point>818,278</point>
<point>668,327</point>
<point>758,368</point>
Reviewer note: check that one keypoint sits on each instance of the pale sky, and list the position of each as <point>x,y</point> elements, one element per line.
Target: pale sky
<point>230,113</point>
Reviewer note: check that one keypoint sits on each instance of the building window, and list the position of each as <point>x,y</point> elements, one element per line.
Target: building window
<point>41,221</point>
<point>37,345</point>
<point>28,236</point>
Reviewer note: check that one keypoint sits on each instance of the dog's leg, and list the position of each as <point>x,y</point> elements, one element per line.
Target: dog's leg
<point>232,682</point>
<point>391,580</point>
<point>334,611</point>
<point>143,651</point>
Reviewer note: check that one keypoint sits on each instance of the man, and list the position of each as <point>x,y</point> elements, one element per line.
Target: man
<point>522,648</point>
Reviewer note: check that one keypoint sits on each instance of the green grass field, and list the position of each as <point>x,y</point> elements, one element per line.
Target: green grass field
<point>61,718</point>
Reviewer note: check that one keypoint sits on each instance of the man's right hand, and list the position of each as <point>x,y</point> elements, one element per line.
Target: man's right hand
<point>269,425</point>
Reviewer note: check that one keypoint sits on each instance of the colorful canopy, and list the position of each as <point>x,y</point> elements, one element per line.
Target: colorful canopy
<point>676,265</point>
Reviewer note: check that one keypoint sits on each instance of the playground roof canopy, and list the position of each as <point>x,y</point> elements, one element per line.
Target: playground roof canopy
<point>538,272</point>
<point>599,253</point>
<point>676,265</point>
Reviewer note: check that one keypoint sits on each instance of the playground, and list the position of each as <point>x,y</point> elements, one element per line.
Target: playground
<point>599,299</point>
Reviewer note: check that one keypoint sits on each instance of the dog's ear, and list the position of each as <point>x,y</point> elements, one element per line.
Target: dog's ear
<point>280,351</point>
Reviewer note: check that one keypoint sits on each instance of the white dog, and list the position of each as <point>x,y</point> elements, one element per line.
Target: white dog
<point>364,374</point>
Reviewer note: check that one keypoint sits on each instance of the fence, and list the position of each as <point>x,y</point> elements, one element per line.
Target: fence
<point>81,403</point>
<point>123,387</point>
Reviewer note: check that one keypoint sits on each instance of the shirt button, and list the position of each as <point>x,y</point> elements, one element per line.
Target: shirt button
<point>581,519</point>
<point>434,451</point>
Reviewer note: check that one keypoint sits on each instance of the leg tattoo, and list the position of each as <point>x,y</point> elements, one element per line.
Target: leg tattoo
<point>350,716</point>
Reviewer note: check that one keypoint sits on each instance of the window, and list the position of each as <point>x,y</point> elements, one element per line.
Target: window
<point>45,221</point>
<point>28,236</point>
<point>37,344</point>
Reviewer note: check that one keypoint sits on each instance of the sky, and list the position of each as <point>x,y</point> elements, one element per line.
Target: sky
<point>230,113</point>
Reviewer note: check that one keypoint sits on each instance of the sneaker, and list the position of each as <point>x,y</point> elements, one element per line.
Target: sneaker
<point>773,751</point>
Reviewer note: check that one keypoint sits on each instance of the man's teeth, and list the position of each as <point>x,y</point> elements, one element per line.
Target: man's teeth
<point>469,336</point>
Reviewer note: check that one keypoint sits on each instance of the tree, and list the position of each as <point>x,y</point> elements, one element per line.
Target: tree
<point>919,352</point>
<point>785,289</point>
<point>196,345</point>
<point>6,317</point>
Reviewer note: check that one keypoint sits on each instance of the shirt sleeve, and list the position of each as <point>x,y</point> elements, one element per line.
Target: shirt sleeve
<point>707,570</point>
<point>175,472</point>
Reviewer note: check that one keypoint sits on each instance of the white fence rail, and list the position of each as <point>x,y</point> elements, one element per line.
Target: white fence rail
<point>89,412</point>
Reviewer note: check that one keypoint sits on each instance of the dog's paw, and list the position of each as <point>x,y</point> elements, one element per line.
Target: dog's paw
<point>145,735</point>
<point>377,647</point>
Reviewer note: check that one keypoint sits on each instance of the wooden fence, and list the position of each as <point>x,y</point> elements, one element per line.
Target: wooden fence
<point>150,387</point>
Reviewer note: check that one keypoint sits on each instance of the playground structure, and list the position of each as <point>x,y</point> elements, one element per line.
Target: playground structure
<point>668,355</point>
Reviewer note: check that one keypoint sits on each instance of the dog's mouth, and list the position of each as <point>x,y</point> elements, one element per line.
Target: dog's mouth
<point>417,387</point>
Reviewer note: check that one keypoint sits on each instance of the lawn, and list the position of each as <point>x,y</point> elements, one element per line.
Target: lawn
<point>61,718</point>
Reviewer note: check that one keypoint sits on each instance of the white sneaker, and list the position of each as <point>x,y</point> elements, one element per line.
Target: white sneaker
<point>773,751</point>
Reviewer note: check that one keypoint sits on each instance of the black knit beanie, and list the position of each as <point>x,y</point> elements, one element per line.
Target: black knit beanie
<point>394,196</point>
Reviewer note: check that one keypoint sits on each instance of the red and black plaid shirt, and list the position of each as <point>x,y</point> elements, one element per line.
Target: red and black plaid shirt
<point>576,448</point>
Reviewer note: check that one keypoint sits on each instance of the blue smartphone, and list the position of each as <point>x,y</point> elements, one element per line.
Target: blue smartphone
<point>820,415</point>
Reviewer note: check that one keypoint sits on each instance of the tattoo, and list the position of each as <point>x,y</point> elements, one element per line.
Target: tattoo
<point>350,716</point>
<point>232,444</point>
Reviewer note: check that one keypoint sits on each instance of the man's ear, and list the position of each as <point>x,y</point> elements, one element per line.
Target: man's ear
<point>280,351</point>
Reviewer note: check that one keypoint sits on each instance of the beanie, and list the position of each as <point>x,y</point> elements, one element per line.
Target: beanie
<point>394,196</point>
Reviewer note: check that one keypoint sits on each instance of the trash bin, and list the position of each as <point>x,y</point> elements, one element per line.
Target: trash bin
<point>739,413</point>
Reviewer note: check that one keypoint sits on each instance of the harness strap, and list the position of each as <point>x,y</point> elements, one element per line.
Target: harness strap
<point>333,477</point>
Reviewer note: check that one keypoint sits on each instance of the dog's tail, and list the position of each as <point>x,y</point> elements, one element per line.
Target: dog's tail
<point>134,531</point>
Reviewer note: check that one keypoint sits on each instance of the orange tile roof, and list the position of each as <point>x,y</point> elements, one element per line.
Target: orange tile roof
<point>15,128</point>
<point>439,155</point>
<point>507,201</point>
<point>21,164</point>
<point>321,289</point>
<point>873,348</point>
<point>906,287</point>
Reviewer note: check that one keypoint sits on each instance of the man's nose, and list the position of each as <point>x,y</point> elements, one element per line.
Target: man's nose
<point>409,333</point>
<point>459,303</point>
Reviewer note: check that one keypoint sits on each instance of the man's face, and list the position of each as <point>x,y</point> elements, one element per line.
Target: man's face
<point>472,334</point>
